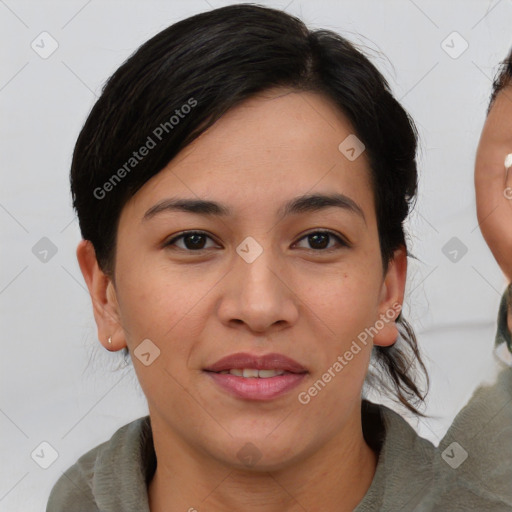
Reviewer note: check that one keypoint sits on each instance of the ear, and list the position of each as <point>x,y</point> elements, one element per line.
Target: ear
<point>391,299</point>
<point>103,296</point>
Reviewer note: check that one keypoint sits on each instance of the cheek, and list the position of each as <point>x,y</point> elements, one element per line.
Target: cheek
<point>166,308</point>
<point>346,301</point>
<point>340,309</point>
<point>156,298</point>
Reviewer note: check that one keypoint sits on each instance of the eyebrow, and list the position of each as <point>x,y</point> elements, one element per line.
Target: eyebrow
<point>299,205</point>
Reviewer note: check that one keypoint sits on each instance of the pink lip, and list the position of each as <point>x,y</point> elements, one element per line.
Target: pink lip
<point>257,388</point>
<point>243,360</point>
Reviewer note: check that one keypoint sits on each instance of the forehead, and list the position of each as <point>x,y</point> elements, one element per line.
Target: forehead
<point>280,143</point>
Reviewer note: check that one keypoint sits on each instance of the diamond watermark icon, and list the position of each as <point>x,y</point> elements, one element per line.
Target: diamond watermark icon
<point>44,250</point>
<point>249,454</point>
<point>44,455</point>
<point>454,249</point>
<point>44,45</point>
<point>146,352</point>
<point>454,45</point>
<point>249,249</point>
<point>454,455</point>
<point>351,147</point>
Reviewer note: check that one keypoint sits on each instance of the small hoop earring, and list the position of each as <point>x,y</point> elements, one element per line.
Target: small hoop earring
<point>110,340</point>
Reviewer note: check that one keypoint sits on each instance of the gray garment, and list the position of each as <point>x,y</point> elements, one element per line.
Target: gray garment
<point>412,474</point>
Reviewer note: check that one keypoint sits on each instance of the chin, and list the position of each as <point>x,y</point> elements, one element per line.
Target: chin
<point>259,453</point>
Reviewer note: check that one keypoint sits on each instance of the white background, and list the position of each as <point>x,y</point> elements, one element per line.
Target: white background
<point>57,383</point>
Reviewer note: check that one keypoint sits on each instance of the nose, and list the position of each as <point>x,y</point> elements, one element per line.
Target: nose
<point>259,294</point>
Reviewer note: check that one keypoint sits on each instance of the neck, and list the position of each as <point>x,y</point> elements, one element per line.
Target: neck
<point>334,478</point>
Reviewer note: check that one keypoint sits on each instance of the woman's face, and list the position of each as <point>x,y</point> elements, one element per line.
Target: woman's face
<point>260,279</point>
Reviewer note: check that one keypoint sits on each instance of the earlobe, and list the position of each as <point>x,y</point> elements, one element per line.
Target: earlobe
<point>103,297</point>
<point>392,297</point>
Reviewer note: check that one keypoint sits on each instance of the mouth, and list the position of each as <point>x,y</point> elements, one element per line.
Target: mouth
<point>256,377</point>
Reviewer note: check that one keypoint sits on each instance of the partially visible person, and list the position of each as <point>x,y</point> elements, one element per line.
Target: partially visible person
<point>493,178</point>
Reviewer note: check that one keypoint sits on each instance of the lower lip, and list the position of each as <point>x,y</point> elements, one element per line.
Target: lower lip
<point>256,388</point>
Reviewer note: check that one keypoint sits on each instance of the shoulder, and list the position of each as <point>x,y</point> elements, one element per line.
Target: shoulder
<point>484,425</point>
<point>88,483</point>
<point>474,457</point>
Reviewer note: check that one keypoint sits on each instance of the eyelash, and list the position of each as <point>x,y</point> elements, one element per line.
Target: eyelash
<point>341,241</point>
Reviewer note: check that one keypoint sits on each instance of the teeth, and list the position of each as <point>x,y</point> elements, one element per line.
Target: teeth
<point>252,373</point>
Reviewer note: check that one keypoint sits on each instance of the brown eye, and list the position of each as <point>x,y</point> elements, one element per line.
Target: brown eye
<point>192,240</point>
<point>319,240</point>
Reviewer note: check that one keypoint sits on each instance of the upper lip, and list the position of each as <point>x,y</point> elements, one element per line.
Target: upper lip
<point>243,360</point>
